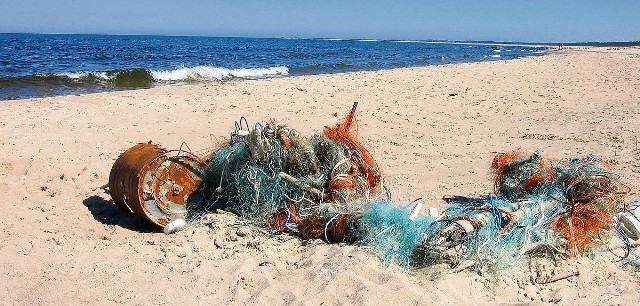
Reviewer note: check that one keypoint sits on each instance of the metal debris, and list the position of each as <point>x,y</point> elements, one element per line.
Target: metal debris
<point>154,183</point>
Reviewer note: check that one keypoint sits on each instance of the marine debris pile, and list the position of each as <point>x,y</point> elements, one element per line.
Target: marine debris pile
<point>328,186</point>
<point>566,208</point>
<point>293,183</point>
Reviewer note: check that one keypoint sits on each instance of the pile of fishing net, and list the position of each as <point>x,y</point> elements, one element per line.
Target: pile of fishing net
<point>328,186</point>
<point>560,208</point>
<point>277,178</point>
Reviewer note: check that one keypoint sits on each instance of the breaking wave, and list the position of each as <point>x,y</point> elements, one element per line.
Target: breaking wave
<point>138,77</point>
<point>208,73</point>
<point>43,85</point>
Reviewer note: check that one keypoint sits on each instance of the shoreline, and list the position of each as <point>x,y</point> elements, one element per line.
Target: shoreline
<point>550,51</point>
<point>434,131</point>
<point>79,78</point>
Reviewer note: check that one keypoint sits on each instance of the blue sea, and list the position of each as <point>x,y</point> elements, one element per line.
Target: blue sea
<point>42,65</point>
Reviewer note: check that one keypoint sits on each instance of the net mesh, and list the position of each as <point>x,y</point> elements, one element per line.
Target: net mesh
<point>275,177</point>
<point>328,186</point>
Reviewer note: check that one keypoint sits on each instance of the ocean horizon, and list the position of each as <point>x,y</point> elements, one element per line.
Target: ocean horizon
<point>44,65</point>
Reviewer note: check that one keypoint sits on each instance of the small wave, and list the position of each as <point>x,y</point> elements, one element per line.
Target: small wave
<point>495,55</point>
<point>126,78</point>
<point>84,75</point>
<point>43,85</point>
<point>208,73</point>
<point>138,77</point>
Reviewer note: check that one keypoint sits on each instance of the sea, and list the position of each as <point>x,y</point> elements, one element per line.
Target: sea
<point>44,65</point>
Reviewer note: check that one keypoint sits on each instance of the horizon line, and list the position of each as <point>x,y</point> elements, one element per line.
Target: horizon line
<point>510,42</point>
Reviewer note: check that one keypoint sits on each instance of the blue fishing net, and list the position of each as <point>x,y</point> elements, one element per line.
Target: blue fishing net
<point>499,242</point>
<point>252,186</point>
<point>388,230</point>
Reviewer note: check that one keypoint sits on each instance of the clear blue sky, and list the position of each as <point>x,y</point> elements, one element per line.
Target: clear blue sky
<point>530,20</point>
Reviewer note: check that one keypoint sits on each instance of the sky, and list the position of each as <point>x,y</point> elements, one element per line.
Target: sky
<point>496,20</point>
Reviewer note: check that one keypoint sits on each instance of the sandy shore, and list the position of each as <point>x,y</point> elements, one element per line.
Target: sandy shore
<point>434,131</point>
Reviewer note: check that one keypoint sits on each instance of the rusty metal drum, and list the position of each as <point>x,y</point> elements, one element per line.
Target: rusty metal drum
<point>155,184</point>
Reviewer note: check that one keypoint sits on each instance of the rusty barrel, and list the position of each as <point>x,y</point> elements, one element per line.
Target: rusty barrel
<point>148,182</point>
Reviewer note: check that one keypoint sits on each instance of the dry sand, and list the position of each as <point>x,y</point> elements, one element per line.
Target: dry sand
<point>434,131</point>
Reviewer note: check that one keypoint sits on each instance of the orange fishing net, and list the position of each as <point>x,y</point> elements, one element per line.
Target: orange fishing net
<point>502,163</point>
<point>547,173</point>
<point>508,164</point>
<point>312,227</point>
<point>334,230</point>
<point>283,217</point>
<point>344,133</point>
<point>607,192</point>
<point>580,225</point>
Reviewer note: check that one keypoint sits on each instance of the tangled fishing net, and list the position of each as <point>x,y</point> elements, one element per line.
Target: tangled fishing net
<point>293,183</point>
<point>565,207</point>
<point>586,190</point>
<point>328,186</point>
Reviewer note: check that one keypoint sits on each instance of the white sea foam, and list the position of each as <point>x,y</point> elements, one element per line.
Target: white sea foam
<point>414,41</point>
<point>199,73</point>
<point>208,73</point>
<point>497,50</point>
<point>80,75</point>
<point>74,75</point>
<point>495,55</point>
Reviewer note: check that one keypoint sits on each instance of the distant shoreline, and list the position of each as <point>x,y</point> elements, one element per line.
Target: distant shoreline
<point>472,43</point>
<point>491,43</point>
<point>428,41</point>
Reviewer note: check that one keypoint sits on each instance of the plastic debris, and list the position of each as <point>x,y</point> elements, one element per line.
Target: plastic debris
<point>174,226</point>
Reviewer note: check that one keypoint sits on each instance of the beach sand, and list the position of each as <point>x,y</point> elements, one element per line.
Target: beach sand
<point>433,130</point>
